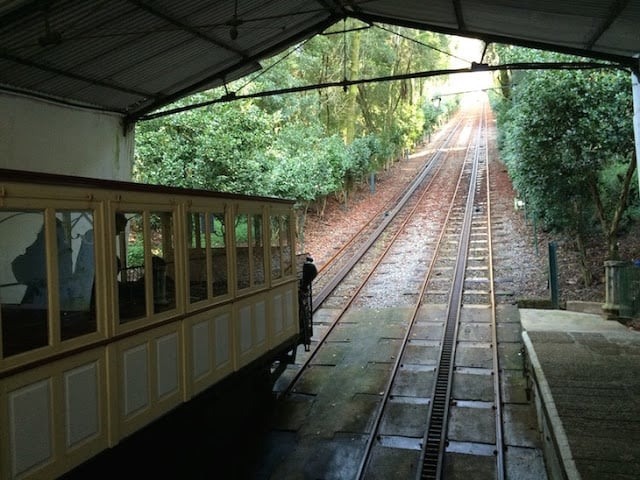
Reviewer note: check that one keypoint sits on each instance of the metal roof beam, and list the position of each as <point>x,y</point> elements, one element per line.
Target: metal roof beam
<point>335,7</point>
<point>459,15</point>
<point>187,28</point>
<point>402,76</point>
<point>490,38</point>
<point>19,12</point>
<point>75,76</point>
<point>615,12</point>
<point>316,28</point>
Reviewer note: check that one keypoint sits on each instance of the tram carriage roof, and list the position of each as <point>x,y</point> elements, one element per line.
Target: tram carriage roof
<point>37,178</point>
<point>132,57</point>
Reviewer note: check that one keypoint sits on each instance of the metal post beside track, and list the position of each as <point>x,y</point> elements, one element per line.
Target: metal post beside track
<point>553,274</point>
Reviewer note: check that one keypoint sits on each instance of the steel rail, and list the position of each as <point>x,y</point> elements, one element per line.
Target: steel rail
<point>434,441</point>
<point>399,357</point>
<point>500,461</point>
<point>380,214</point>
<point>361,252</point>
<point>388,217</point>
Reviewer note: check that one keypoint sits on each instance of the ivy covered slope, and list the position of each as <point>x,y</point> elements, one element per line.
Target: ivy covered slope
<point>567,139</point>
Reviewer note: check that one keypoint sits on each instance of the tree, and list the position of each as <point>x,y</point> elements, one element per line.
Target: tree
<point>352,50</point>
<point>304,146</point>
<point>215,148</point>
<point>567,140</point>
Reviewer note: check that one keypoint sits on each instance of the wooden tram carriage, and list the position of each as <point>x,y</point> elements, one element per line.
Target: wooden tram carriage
<point>120,301</point>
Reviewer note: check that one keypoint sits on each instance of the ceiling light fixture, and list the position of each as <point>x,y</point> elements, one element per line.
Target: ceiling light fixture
<point>50,37</point>
<point>234,23</point>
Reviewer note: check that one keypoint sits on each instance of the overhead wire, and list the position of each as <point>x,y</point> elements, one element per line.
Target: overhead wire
<point>277,62</point>
<point>419,42</point>
<point>343,32</point>
<point>475,67</point>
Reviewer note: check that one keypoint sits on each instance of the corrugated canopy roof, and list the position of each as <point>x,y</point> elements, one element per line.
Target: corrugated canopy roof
<point>133,56</point>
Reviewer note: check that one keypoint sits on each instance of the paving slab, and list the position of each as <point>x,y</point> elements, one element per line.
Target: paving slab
<point>519,426</point>
<point>414,381</point>
<point>508,332</point>
<point>330,459</point>
<point>475,313</point>
<point>422,352</point>
<point>472,384</point>
<point>474,332</point>
<point>510,356</point>
<point>389,463</point>
<point>427,331</point>
<point>474,354</point>
<point>524,464</point>
<point>405,419</point>
<point>464,467</point>
<point>474,424</point>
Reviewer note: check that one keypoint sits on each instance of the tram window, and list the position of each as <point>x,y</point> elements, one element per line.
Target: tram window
<point>76,272</point>
<point>131,265</point>
<point>23,281</point>
<point>197,256</point>
<point>286,244</point>
<point>257,250</point>
<point>243,271</point>
<point>130,248</point>
<point>280,246</point>
<point>219,269</point>
<point>276,260</point>
<point>207,255</point>
<point>249,250</point>
<point>162,261</point>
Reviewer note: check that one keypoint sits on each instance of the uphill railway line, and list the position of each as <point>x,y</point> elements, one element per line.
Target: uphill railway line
<point>342,262</point>
<point>408,338</point>
<point>415,367</point>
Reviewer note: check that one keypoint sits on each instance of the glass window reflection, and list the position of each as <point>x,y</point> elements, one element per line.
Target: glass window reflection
<point>196,234</point>
<point>130,265</point>
<point>219,266</point>
<point>243,269</point>
<point>162,261</point>
<point>23,281</point>
<point>76,273</point>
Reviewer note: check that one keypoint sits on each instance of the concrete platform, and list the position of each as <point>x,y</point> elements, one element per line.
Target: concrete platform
<point>586,383</point>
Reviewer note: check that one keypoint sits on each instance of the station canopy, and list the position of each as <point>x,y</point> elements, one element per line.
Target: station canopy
<point>133,56</point>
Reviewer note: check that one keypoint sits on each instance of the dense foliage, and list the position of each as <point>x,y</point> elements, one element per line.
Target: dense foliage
<point>567,140</point>
<point>304,146</point>
<point>198,149</point>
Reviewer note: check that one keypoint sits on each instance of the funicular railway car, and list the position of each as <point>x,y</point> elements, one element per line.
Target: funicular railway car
<point>120,301</point>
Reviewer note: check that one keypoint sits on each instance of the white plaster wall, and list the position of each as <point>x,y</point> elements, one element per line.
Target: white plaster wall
<point>43,136</point>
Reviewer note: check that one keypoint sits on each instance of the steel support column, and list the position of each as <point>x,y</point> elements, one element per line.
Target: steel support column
<point>635,85</point>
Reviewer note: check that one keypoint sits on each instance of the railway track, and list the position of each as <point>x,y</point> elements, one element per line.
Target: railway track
<point>334,271</point>
<point>414,371</point>
<point>342,281</point>
<point>409,341</point>
<point>460,264</point>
